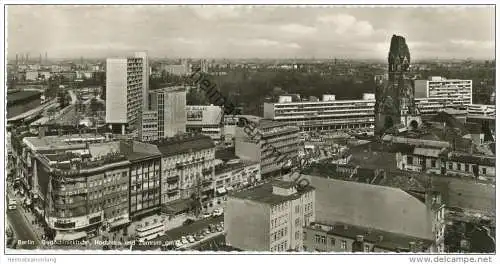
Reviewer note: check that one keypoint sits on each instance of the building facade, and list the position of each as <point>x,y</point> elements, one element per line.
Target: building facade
<point>170,103</point>
<point>269,142</point>
<point>187,167</point>
<point>125,90</point>
<point>451,92</point>
<point>149,126</point>
<point>234,175</point>
<point>270,217</point>
<point>326,115</point>
<point>342,237</point>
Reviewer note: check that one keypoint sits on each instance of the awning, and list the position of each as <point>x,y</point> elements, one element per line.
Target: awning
<point>119,222</point>
<point>69,236</point>
<point>221,190</point>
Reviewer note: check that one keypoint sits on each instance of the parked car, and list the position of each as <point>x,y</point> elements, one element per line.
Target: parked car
<point>220,229</point>
<point>217,212</point>
<point>178,243</point>
<point>190,239</point>
<point>188,221</point>
<point>206,231</point>
<point>184,240</point>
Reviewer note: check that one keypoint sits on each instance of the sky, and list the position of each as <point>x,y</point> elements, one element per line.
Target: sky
<point>250,32</point>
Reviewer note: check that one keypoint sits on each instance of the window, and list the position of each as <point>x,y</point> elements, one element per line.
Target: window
<point>450,166</point>
<point>317,239</point>
<point>433,163</point>
<point>343,245</point>
<point>332,241</point>
<point>484,170</point>
<point>297,235</point>
<point>297,222</point>
<point>467,167</point>
<point>297,209</point>
<point>409,159</point>
<point>459,166</point>
<point>323,240</point>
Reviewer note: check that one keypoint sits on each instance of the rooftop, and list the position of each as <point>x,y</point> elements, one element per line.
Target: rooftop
<point>171,89</point>
<point>470,158</point>
<point>61,142</point>
<point>184,144</point>
<point>264,193</point>
<point>381,239</point>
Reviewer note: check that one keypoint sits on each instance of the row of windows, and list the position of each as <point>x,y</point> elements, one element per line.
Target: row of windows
<point>322,240</point>
<point>275,236</point>
<point>283,246</point>
<point>279,221</point>
<point>279,208</point>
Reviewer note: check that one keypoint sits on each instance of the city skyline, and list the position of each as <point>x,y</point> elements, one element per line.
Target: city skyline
<point>243,32</point>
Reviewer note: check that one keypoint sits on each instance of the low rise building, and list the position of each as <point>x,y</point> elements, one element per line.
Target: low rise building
<point>269,217</point>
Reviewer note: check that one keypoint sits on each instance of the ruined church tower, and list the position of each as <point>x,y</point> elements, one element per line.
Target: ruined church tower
<point>395,108</point>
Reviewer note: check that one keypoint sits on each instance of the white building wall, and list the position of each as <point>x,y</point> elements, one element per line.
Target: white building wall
<point>116,91</point>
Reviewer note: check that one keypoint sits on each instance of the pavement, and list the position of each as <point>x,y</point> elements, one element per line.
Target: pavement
<point>26,238</point>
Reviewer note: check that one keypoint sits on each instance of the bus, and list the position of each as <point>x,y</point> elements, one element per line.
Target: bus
<point>150,232</point>
<point>11,204</point>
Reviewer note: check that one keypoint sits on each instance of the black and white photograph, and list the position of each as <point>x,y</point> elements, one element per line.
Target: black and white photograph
<point>339,130</point>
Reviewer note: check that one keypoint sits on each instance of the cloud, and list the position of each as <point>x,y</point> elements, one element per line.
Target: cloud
<point>217,12</point>
<point>344,23</point>
<point>298,29</point>
<point>467,43</point>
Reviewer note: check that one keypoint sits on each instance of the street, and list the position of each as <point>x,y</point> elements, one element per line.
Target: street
<point>186,230</point>
<point>24,235</point>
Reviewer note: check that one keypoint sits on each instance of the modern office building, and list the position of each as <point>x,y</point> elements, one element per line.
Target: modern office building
<point>170,103</point>
<point>126,90</point>
<point>269,217</point>
<point>187,167</point>
<point>326,115</point>
<point>206,120</point>
<point>149,126</point>
<point>451,92</point>
<point>266,141</point>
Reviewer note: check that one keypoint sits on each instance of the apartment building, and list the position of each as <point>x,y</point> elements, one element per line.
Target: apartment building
<point>170,104</point>
<point>126,90</point>
<point>326,115</point>
<point>269,217</point>
<point>344,237</point>
<point>234,175</point>
<point>452,92</point>
<point>206,120</point>
<point>187,167</point>
<point>266,141</point>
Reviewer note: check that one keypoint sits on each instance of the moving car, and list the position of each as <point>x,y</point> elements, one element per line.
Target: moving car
<point>206,231</point>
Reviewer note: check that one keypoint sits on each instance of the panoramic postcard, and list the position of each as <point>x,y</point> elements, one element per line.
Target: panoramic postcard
<point>333,129</point>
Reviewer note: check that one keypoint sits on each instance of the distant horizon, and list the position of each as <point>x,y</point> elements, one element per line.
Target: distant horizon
<point>240,32</point>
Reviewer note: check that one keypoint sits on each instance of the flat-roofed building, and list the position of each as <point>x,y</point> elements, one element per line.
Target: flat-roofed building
<point>451,92</point>
<point>149,126</point>
<point>234,175</point>
<point>413,213</point>
<point>269,217</point>
<point>126,89</point>
<point>266,141</point>
<point>170,103</point>
<point>81,183</point>
<point>326,115</point>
